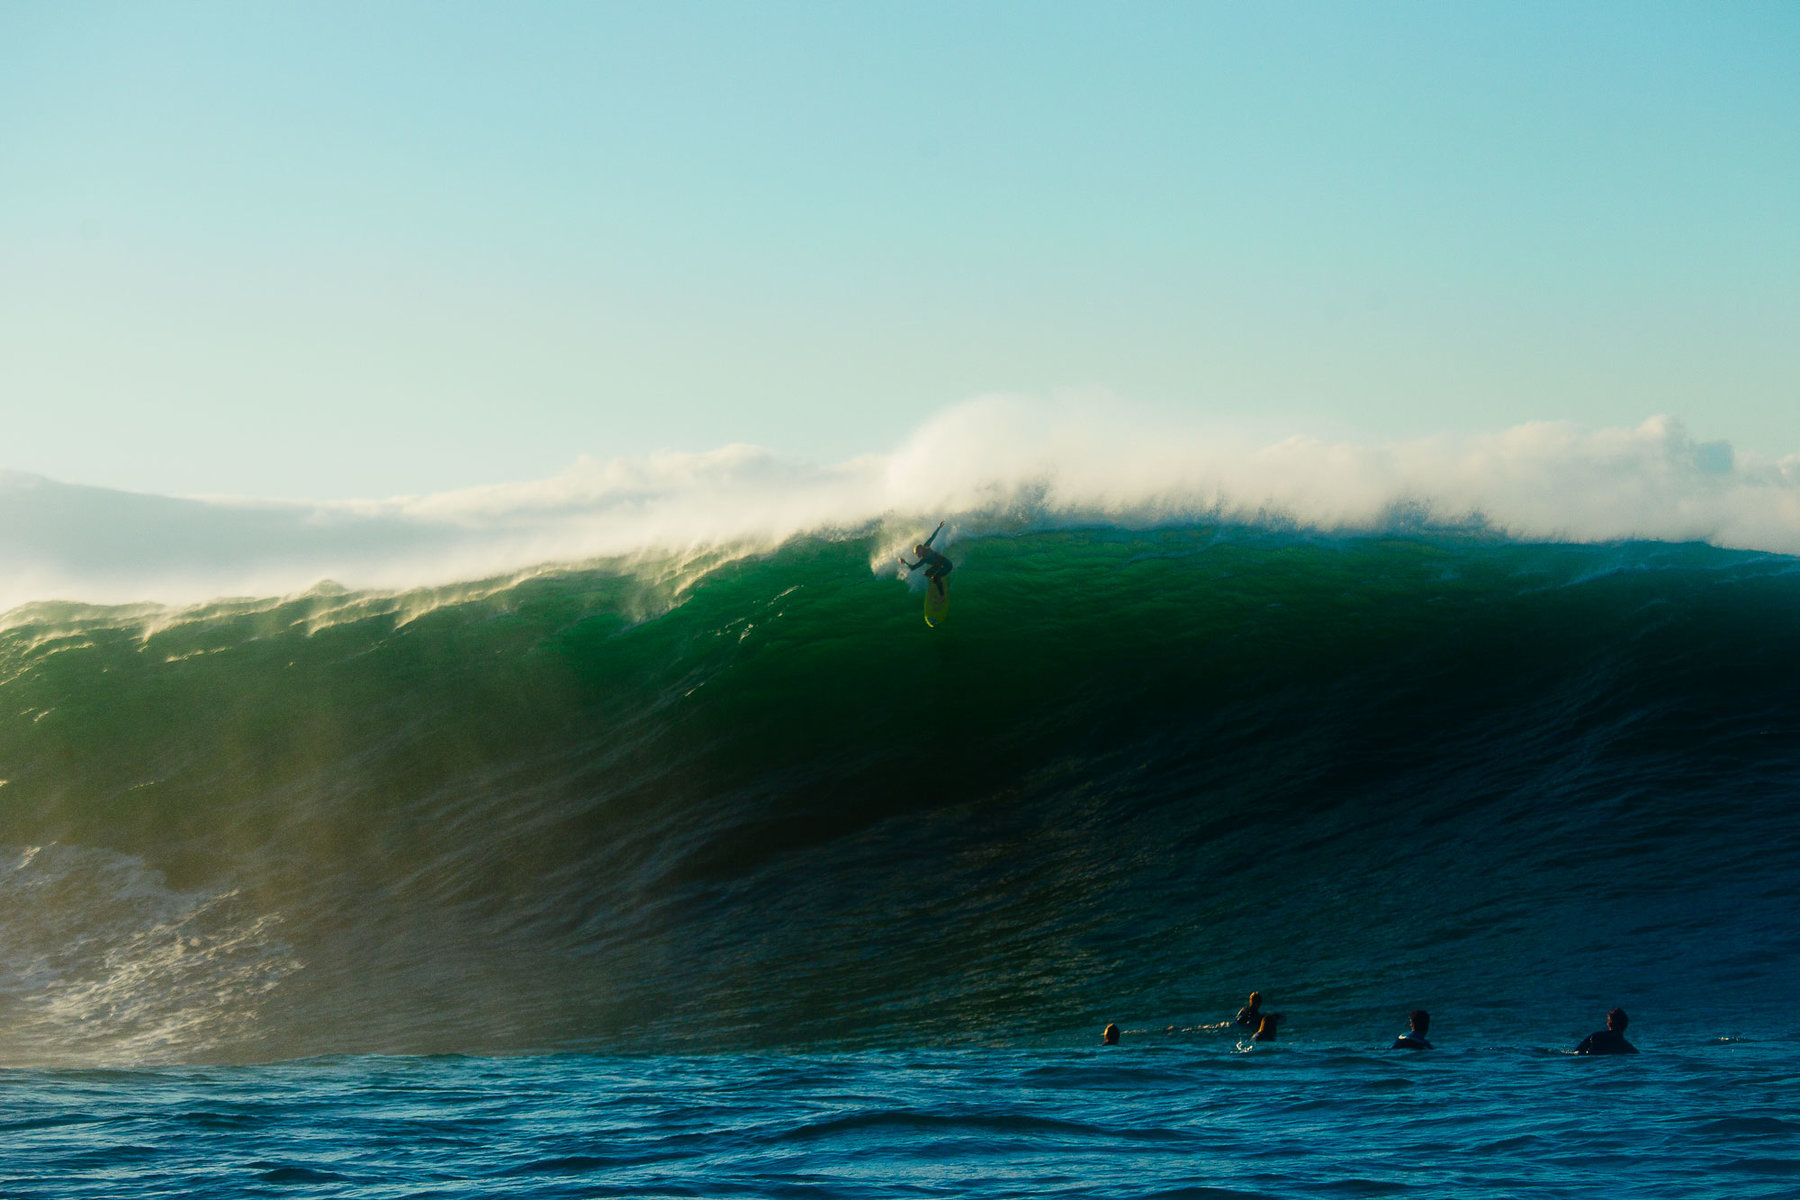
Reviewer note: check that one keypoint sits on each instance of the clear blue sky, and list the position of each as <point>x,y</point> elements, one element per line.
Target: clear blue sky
<point>331,250</point>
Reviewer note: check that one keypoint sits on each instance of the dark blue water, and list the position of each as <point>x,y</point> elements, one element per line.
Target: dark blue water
<point>1188,1118</point>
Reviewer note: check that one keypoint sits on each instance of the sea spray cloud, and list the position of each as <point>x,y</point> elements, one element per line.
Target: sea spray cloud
<point>1546,480</point>
<point>998,461</point>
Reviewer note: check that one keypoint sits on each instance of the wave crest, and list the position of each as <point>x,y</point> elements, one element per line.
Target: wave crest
<point>993,462</point>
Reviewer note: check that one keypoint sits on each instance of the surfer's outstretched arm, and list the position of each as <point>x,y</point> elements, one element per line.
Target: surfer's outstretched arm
<point>910,566</point>
<point>934,534</point>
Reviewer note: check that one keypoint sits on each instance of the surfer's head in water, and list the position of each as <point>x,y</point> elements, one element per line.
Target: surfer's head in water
<point>1110,1035</point>
<point>1610,1040</point>
<point>1265,1032</point>
<point>1417,1026</point>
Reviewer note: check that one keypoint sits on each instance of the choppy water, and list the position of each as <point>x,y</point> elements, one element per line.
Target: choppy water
<point>1193,1118</point>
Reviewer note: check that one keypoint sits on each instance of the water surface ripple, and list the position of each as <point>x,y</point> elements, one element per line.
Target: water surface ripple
<point>1163,1120</point>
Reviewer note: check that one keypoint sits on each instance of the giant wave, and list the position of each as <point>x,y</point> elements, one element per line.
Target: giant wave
<point>745,797</point>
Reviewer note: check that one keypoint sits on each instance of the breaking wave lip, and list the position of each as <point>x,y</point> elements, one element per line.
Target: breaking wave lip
<point>990,463</point>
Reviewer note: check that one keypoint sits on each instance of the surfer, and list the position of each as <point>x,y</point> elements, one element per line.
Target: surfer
<point>935,564</point>
<point>1251,1015</point>
<point>1110,1035</point>
<point>1417,1025</point>
<point>1265,1031</point>
<point>1610,1040</point>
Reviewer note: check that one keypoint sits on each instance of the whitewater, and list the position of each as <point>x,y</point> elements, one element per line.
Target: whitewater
<point>629,833</point>
<point>997,462</point>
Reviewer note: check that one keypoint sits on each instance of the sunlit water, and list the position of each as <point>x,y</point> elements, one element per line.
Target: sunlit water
<point>832,903</point>
<point>1193,1119</point>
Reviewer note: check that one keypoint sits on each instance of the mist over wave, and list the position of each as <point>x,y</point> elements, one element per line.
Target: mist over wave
<point>754,801</point>
<point>660,753</point>
<point>993,463</point>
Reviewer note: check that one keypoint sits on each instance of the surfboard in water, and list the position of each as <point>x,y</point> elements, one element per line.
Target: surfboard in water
<point>937,604</point>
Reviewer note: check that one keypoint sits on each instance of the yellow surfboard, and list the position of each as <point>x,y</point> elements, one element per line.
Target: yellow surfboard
<point>937,604</point>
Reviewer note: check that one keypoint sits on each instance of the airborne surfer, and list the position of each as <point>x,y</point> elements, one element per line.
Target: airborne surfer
<point>935,564</point>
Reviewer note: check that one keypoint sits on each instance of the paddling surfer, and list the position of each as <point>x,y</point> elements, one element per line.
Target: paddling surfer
<point>1610,1040</point>
<point>1251,1015</point>
<point>935,564</point>
<point>1417,1026</point>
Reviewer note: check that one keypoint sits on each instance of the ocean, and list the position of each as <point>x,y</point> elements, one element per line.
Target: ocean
<point>713,874</point>
<point>1162,1119</point>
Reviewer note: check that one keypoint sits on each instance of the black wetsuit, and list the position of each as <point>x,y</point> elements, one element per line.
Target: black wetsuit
<point>936,565</point>
<point>1249,1018</point>
<point>1607,1041</point>
<point>1410,1041</point>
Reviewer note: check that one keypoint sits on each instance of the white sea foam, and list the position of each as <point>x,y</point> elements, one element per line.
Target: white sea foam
<point>106,964</point>
<point>999,460</point>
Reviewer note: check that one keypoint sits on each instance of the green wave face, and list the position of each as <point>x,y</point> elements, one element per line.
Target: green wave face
<point>760,802</point>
